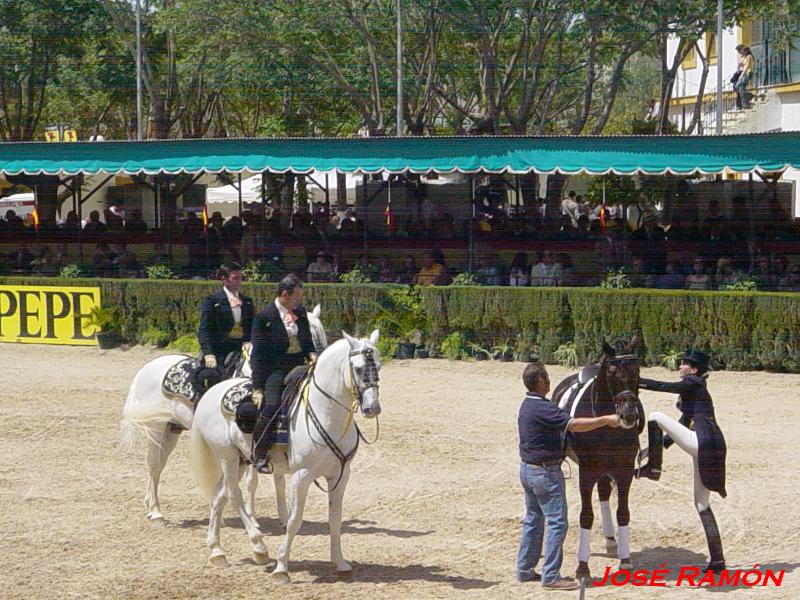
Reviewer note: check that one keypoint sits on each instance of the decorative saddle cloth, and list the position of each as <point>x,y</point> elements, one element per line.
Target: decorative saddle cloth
<point>180,381</point>
<point>237,405</point>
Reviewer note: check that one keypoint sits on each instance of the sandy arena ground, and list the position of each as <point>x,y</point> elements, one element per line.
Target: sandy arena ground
<point>429,512</point>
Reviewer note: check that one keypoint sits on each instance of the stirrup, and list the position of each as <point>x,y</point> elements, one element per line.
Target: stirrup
<point>263,466</point>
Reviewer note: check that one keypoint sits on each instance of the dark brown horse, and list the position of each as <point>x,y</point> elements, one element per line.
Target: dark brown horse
<point>607,454</point>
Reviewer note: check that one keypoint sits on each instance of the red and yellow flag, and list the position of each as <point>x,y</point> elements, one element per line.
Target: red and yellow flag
<point>204,217</point>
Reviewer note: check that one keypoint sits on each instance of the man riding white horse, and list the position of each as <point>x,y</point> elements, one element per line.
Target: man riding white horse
<point>226,318</point>
<point>282,340</point>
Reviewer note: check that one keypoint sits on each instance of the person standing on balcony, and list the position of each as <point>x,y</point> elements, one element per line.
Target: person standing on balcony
<point>746,66</point>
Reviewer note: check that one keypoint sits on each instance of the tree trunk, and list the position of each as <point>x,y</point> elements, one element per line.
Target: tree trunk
<point>287,199</point>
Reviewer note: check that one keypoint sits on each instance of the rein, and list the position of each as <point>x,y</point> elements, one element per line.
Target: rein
<point>370,380</point>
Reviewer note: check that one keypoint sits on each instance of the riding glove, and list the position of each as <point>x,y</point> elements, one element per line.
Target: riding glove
<point>258,398</point>
<point>210,361</point>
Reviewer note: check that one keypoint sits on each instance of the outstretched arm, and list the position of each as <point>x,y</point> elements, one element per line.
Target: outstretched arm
<point>678,387</point>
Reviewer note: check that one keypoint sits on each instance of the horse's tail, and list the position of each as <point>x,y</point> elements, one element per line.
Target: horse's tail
<point>144,417</point>
<point>205,466</point>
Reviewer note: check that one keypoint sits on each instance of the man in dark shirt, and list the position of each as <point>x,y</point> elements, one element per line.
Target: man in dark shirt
<point>542,429</point>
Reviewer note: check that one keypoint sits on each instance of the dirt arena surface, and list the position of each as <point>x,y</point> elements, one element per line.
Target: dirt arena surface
<point>429,512</point>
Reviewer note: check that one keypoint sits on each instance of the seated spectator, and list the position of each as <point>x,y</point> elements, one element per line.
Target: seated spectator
<point>367,268</point>
<point>192,226</point>
<point>762,273</point>
<point>671,278</point>
<point>127,266</point>
<point>791,281</point>
<point>94,226</point>
<point>639,277</point>
<point>385,271</point>
<point>71,224</point>
<point>519,274</point>
<point>698,279</point>
<point>321,270</point>
<point>438,256</point>
<point>13,222</point>
<point>546,272</point>
<point>432,272</point>
<point>115,218</point>
<point>725,273</point>
<point>135,223</point>
<point>21,259</point>
<point>104,260</point>
<point>408,273</point>
<point>160,255</point>
<point>567,277</point>
<point>488,273</point>
<point>714,224</point>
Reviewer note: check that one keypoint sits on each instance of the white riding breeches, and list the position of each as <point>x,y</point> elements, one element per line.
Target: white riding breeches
<point>687,440</point>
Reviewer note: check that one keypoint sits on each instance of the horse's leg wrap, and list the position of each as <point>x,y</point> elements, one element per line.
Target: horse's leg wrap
<point>623,543</point>
<point>717,557</point>
<point>584,545</point>
<point>608,522</point>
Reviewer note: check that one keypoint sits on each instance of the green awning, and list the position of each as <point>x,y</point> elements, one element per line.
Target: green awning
<point>594,155</point>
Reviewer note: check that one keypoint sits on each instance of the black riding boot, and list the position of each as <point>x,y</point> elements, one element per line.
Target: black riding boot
<point>655,452</point>
<point>717,558</point>
<point>261,444</point>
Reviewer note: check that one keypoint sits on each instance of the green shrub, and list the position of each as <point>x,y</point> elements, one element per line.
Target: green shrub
<point>566,355</point>
<point>153,336</point>
<point>502,349</point>
<point>616,279</point>
<point>160,272</point>
<point>402,314</point>
<point>186,344</point>
<point>260,271</point>
<point>355,275</point>
<point>71,271</point>
<point>671,359</point>
<point>465,279</point>
<point>387,347</point>
<point>454,346</point>
<point>477,350</point>
<point>740,285</point>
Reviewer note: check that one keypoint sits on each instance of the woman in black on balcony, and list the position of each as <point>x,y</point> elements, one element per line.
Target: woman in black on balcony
<point>746,66</point>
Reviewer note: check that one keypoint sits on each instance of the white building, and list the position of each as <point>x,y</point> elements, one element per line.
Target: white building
<point>775,86</point>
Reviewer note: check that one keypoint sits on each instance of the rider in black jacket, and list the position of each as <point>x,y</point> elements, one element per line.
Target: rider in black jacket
<point>225,318</point>
<point>699,435</point>
<point>281,341</point>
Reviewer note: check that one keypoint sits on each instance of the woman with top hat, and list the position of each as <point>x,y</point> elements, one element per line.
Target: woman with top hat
<point>697,433</point>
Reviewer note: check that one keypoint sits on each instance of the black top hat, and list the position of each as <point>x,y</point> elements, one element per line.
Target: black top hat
<point>696,358</point>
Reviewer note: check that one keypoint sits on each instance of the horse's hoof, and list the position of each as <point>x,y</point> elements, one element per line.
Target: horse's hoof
<point>281,578</point>
<point>611,547</point>
<point>219,560</point>
<point>582,573</point>
<point>625,564</point>
<point>261,558</point>
<point>344,575</point>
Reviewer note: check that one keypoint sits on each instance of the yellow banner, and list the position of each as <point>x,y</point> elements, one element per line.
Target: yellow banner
<point>48,314</point>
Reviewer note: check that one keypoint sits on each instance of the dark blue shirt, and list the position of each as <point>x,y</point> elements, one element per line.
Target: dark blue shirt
<point>542,426</point>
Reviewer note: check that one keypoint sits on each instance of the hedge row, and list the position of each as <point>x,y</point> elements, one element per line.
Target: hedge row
<point>741,330</point>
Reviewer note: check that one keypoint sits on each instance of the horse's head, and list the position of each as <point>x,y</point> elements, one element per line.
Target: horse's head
<point>626,405</point>
<point>619,368</point>
<point>364,367</point>
<point>317,330</point>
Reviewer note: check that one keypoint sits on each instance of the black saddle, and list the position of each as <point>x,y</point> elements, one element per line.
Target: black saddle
<point>188,380</point>
<point>292,382</point>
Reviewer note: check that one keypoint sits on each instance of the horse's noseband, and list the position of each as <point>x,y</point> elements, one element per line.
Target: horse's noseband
<point>619,401</point>
<point>369,378</point>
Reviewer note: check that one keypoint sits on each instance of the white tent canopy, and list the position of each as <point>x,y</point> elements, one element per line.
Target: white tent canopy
<point>251,188</point>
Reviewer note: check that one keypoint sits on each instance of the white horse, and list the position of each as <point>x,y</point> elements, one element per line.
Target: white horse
<point>323,438</point>
<point>151,417</point>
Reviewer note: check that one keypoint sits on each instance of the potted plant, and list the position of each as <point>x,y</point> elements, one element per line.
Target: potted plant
<point>479,352</point>
<point>403,317</point>
<point>108,327</point>
<point>504,351</point>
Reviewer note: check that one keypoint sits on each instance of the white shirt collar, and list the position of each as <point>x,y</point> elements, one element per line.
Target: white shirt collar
<point>282,310</point>
<point>230,294</point>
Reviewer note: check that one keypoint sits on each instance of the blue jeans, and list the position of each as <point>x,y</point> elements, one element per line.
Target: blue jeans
<point>545,522</point>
